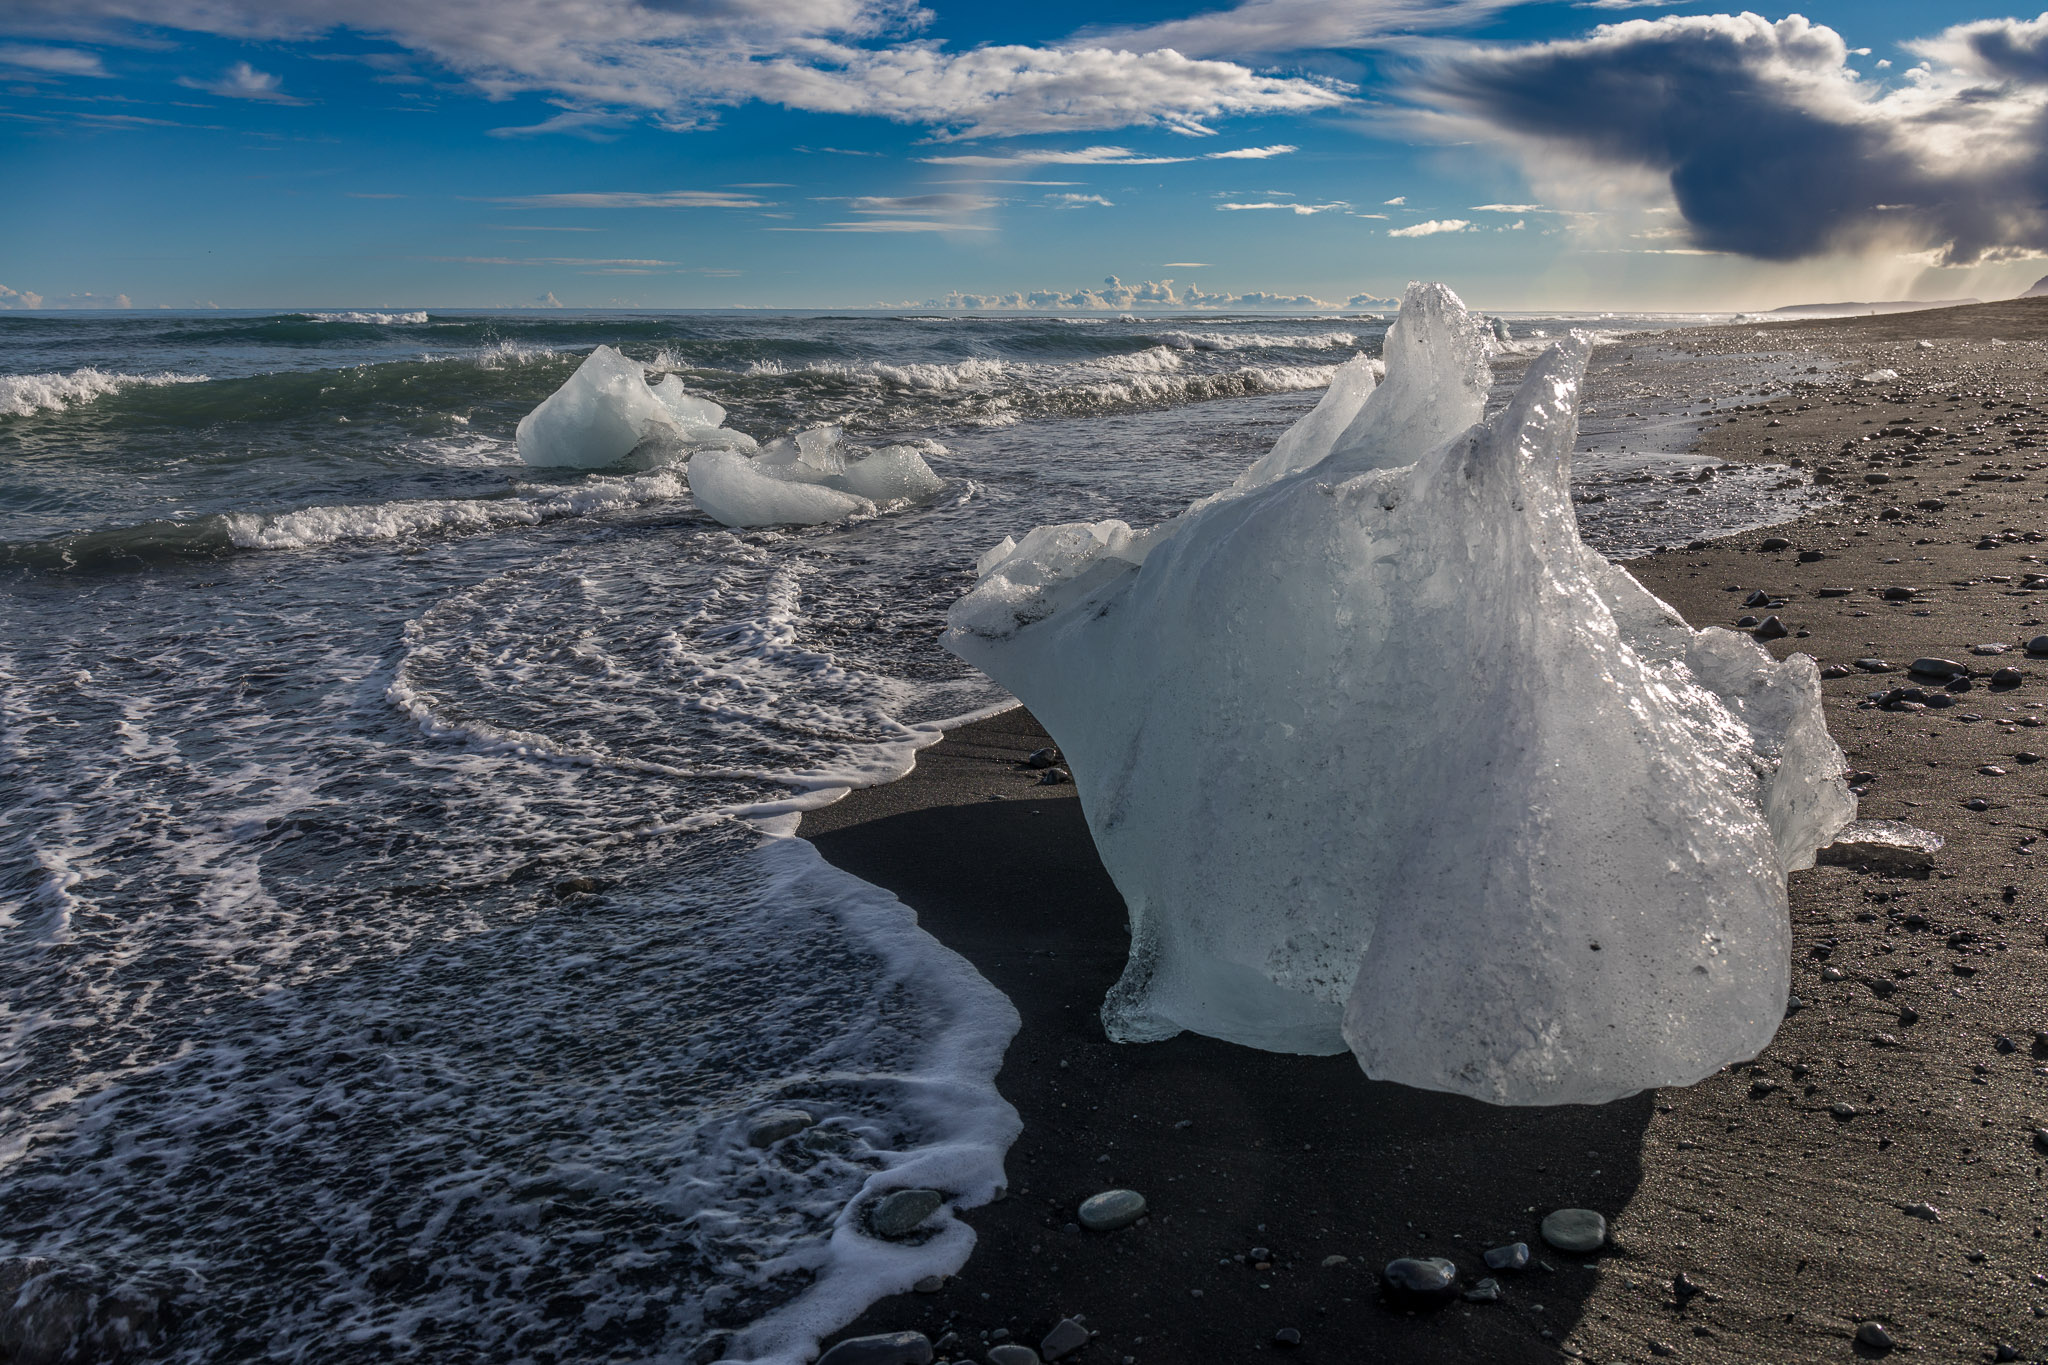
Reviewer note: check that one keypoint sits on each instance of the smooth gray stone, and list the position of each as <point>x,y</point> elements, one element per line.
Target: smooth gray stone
<point>1065,1339</point>
<point>1936,668</point>
<point>1873,1335</point>
<point>1112,1209</point>
<point>887,1348</point>
<point>1486,1291</point>
<point>772,1127</point>
<point>1421,1280</point>
<point>1579,1230</point>
<point>898,1214</point>
<point>1010,1353</point>
<point>1513,1256</point>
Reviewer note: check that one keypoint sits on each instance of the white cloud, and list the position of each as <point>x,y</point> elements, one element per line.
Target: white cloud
<point>637,199</point>
<point>243,82</point>
<point>1254,153</point>
<point>630,262</point>
<point>1304,209</point>
<point>682,63</point>
<point>1397,199</point>
<point>61,61</point>
<point>19,298</point>
<point>1096,156</point>
<point>591,125</point>
<point>1076,201</point>
<point>1431,228</point>
<point>892,225</point>
<point>1116,296</point>
<point>1508,208</point>
<point>1266,26</point>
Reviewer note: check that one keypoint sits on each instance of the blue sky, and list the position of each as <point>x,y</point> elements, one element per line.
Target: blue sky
<point>854,153</point>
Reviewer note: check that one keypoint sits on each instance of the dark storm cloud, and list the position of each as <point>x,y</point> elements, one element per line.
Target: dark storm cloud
<point>1772,146</point>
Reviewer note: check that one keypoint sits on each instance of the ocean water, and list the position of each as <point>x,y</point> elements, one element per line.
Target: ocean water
<point>400,914</point>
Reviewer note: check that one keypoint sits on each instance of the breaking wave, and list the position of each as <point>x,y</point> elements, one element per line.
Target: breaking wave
<point>24,395</point>
<point>375,319</point>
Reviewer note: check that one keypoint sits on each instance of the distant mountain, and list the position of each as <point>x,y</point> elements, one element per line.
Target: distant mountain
<point>1889,306</point>
<point>2039,288</point>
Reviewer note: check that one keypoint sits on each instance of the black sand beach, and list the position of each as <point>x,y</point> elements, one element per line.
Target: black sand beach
<point>1882,1160</point>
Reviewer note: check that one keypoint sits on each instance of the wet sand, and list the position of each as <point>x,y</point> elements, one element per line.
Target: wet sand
<point>1779,1188</point>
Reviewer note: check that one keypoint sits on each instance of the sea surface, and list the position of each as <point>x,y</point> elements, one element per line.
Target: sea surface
<point>400,918</point>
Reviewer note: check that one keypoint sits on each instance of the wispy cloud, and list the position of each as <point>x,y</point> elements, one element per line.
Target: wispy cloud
<point>636,199</point>
<point>919,203</point>
<point>1396,200</point>
<point>1272,26</point>
<point>1303,209</point>
<point>1077,201</point>
<point>590,125</point>
<point>1509,208</point>
<point>1431,228</point>
<point>628,262</point>
<point>892,225</point>
<point>1098,156</point>
<point>59,61</point>
<point>243,82</point>
<point>1117,296</point>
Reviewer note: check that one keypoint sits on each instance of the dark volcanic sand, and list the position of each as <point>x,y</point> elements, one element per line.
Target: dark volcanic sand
<point>1789,1216</point>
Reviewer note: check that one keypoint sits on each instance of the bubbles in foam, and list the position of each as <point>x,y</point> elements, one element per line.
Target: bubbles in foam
<point>24,395</point>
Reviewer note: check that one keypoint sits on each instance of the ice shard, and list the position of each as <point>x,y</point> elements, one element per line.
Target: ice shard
<point>607,410</point>
<point>1382,756</point>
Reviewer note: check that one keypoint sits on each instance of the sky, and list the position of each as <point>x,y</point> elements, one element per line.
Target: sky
<point>1119,154</point>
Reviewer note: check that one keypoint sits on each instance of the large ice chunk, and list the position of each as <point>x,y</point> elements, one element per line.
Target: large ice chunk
<point>1383,757</point>
<point>738,492</point>
<point>607,410</point>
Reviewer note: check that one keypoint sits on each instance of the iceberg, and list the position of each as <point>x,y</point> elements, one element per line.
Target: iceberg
<point>607,410</point>
<point>806,479</point>
<point>1384,758</point>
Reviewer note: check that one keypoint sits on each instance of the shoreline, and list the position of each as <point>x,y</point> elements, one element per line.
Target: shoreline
<point>1788,1213</point>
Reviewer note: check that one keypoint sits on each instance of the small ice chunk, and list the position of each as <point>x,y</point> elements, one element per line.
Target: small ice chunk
<point>689,409</point>
<point>986,565</point>
<point>737,491</point>
<point>596,417</point>
<point>1879,377</point>
<point>808,457</point>
<point>1383,757</point>
<point>892,472</point>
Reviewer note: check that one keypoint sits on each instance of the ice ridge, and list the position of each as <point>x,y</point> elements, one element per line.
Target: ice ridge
<point>1383,757</point>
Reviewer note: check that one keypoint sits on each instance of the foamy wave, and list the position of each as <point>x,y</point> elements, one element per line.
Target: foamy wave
<point>378,319</point>
<point>311,527</point>
<point>501,355</point>
<point>23,395</point>
<point>1195,388</point>
<point>1258,341</point>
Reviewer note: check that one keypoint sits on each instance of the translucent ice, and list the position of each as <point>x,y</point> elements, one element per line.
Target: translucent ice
<point>607,409</point>
<point>807,479</point>
<point>738,492</point>
<point>1382,756</point>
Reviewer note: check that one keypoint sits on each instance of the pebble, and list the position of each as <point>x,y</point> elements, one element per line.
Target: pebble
<point>1329,1261</point>
<point>1065,1339</point>
<point>1842,1109</point>
<point>1010,1353</point>
<point>2041,1139</point>
<point>1977,803</point>
<point>1989,649</point>
<point>1772,543</point>
<point>1759,598</point>
<point>1421,1280</point>
<point>898,1214</point>
<point>1900,594</point>
<point>1580,1230</point>
<point>930,1284</point>
<point>1287,1336</point>
<point>1772,629</point>
<point>1991,770</point>
<point>1042,758</point>
<point>1874,666</point>
<point>2038,645</point>
<point>2006,1351</point>
<point>886,1348</point>
<point>1112,1209</point>
<point>1053,777</point>
<point>1513,1256</point>
<point>1936,668</point>
<point>2008,677</point>
<point>1486,1291</point>
<point>1873,1335</point>
<point>1925,1212</point>
<point>772,1127</point>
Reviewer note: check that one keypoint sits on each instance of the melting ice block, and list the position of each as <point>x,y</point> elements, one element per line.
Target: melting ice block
<point>1383,757</point>
<point>807,479</point>
<point>607,409</point>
